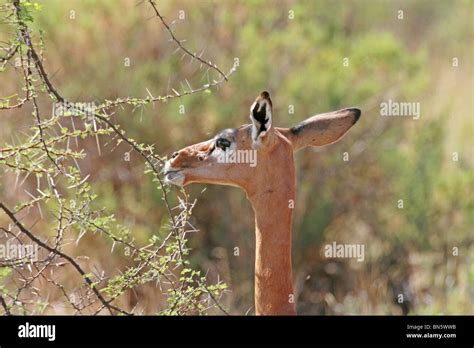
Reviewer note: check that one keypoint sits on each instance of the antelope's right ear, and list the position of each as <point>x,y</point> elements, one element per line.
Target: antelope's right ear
<point>261,117</point>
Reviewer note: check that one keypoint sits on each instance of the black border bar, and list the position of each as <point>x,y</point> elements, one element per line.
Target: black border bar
<point>330,330</point>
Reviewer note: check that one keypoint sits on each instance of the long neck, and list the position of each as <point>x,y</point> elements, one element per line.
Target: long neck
<point>273,272</point>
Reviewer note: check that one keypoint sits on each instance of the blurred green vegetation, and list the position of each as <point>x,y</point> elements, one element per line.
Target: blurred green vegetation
<point>300,61</point>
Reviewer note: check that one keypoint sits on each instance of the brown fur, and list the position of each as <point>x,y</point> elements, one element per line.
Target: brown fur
<point>269,187</point>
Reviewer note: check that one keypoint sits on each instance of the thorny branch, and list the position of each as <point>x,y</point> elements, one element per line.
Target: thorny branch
<point>178,42</point>
<point>155,261</point>
<point>56,251</point>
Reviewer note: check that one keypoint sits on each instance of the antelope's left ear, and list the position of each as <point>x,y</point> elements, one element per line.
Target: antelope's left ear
<point>323,129</point>
<point>261,117</point>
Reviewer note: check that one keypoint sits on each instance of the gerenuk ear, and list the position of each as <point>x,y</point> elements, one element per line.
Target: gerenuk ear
<point>261,117</point>
<point>323,129</point>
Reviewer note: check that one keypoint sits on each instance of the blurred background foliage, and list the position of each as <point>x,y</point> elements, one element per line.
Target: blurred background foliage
<point>299,60</point>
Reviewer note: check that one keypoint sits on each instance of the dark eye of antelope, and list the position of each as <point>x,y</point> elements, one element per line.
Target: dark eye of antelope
<point>222,143</point>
